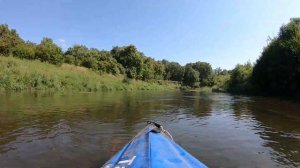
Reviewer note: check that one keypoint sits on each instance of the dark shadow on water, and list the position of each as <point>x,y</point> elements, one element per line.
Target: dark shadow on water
<point>277,123</point>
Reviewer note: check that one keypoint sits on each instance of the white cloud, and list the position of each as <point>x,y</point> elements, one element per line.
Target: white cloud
<point>62,43</point>
<point>62,40</point>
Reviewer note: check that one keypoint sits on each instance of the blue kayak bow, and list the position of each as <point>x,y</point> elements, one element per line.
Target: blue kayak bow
<point>153,147</point>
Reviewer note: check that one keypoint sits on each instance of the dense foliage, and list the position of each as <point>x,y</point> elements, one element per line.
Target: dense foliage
<point>125,60</point>
<point>191,76</point>
<point>25,50</point>
<point>173,71</point>
<point>9,39</point>
<point>277,71</point>
<point>240,78</point>
<point>221,78</point>
<point>205,73</point>
<point>100,61</point>
<point>47,51</point>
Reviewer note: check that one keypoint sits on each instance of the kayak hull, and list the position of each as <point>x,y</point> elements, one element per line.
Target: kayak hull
<point>151,148</point>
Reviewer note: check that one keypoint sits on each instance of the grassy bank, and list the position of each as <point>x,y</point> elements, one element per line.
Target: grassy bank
<point>17,74</point>
<point>198,89</point>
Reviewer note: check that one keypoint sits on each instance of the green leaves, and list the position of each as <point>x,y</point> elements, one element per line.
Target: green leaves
<point>131,59</point>
<point>173,71</point>
<point>120,60</point>
<point>136,65</point>
<point>277,70</point>
<point>240,78</point>
<point>47,51</point>
<point>204,72</point>
<point>25,51</point>
<point>9,39</point>
<point>191,76</point>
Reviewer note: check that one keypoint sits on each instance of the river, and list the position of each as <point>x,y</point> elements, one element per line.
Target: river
<point>86,129</point>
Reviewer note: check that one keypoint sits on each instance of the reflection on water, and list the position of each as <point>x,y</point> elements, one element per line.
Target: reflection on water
<point>86,129</point>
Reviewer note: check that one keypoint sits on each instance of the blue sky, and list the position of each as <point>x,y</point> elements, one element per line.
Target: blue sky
<point>220,32</point>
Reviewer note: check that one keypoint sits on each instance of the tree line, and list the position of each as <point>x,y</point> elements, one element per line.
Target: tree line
<point>277,70</point>
<point>126,60</point>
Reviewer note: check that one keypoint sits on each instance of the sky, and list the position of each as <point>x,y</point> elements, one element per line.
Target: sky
<point>221,32</point>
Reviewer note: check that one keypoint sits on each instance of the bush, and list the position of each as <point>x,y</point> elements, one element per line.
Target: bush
<point>9,39</point>
<point>90,62</point>
<point>70,59</point>
<point>47,51</point>
<point>191,77</point>
<point>240,78</point>
<point>25,51</point>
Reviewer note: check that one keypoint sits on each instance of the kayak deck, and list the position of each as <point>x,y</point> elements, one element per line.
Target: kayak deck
<point>152,147</point>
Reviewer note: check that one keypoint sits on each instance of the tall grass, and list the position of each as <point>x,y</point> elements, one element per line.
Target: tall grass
<point>17,74</point>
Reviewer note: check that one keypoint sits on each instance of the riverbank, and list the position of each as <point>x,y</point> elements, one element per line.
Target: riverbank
<point>18,74</point>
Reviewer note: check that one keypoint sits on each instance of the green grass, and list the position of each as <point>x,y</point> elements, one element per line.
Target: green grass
<point>204,89</point>
<point>18,74</point>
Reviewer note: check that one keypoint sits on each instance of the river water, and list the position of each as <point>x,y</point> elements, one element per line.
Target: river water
<point>86,129</point>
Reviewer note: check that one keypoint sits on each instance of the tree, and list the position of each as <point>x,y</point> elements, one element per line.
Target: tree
<point>159,70</point>
<point>25,50</point>
<point>47,51</point>
<point>240,78</point>
<point>173,71</point>
<point>205,73</point>
<point>9,39</point>
<point>277,71</point>
<point>90,62</point>
<point>101,61</point>
<point>148,69</point>
<point>131,60</point>
<point>221,79</point>
<point>107,64</point>
<point>79,52</point>
<point>191,76</point>
<point>152,69</point>
<point>69,59</point>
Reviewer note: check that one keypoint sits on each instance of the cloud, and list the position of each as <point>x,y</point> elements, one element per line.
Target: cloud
<point>62,40</point>
<point>62,43</point>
